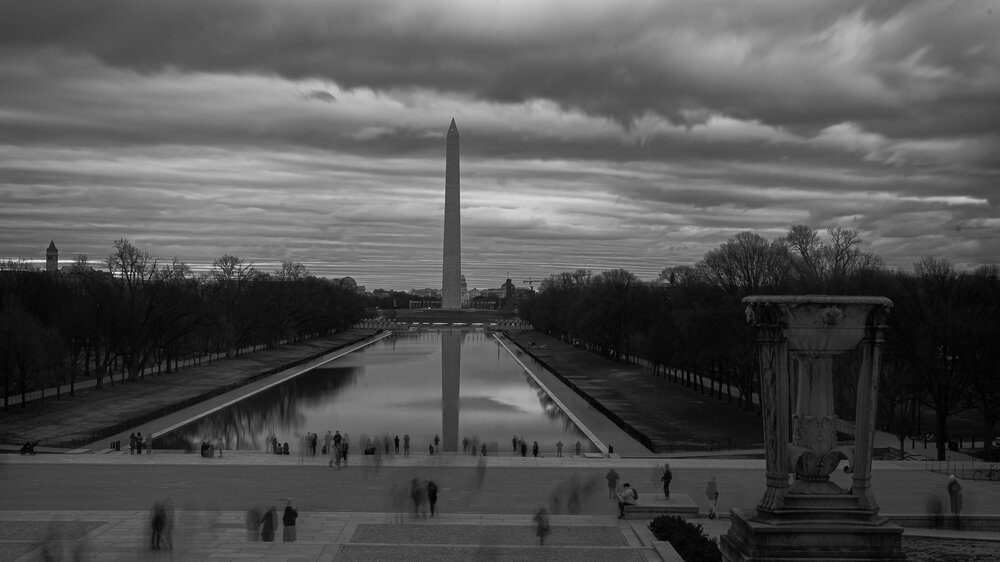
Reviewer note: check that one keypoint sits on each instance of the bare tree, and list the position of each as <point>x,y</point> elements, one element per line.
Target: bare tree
<point>81,263</point>
<point>746,263</point>
<point>291,271</point>
<point>175,271</point>
<point>230,269</point>
<point>130,264</point>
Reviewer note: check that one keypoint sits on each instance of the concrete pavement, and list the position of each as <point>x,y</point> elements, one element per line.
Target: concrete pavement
<point>351,514</point>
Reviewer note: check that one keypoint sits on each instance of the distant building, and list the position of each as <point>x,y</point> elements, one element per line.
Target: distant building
<point>426,293</point>
<point>52,258</point>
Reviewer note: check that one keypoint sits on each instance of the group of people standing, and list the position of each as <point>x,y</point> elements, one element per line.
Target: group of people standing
<point>136,442</point>
<point>424,495</point>
<point>261,523</point>
<point>521,446</point>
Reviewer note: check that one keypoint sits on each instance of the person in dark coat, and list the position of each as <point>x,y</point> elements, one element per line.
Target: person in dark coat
<point>534,449</point>
<point>432,495</point>
<point>666,478</point>
<point>157,522</point>
<point>288,520</point>
<point>612,478</point>
<point>955,495</point>
<point>524,449</point>
<point>267,524</point>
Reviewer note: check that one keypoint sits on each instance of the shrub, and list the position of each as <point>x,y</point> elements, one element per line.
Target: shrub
<point>688,539</point>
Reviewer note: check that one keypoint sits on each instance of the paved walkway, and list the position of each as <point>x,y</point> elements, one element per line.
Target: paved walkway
<point>102,501</point>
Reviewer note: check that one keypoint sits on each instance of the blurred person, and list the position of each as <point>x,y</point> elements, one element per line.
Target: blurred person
<point>432,495</point>
<point>612,478</point>
<point>712,493</point>
<point>288,521</point>
<point>417,495</point>
<point>254,518</point>
<point>542,528</point>
<point>267,524</point>
<point>168,524</point>
<point>157,522</point>
<point>955,495</point>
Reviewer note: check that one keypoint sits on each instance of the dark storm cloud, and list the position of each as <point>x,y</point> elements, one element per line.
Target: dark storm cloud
<point>805,65</point>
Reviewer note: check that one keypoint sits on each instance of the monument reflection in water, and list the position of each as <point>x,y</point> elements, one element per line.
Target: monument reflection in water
<point>450,383</point>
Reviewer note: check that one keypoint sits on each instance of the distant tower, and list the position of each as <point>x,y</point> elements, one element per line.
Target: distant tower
<point>52,257</point>
<point>451,274</point>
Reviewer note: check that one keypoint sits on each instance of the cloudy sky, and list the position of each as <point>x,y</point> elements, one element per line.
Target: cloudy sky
<point>594,135</point>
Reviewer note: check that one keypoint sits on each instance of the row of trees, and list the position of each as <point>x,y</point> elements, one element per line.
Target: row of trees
<point>143,313</point>
<point>941,353</point>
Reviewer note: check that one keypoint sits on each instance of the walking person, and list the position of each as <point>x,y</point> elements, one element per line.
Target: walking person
<point>514,441</point>
<point>327,440</point>
<point>524,449</point>
<point>157,521</point>
<point>578,448</point>
<point>666,478</point>
<point>432,495</point>
<point>712,493</point>
<point>396,443</point>
<point>417,495</point>
<point>254,517</point>
<point>559,446</point>
<point>288,520</point>
<point>406,444</point>
<point>167,537</point>
<point>131,443</point>
<point>542,528</point>
<point>955,495</point>
<point>138,443</point>
<point>534,449</point>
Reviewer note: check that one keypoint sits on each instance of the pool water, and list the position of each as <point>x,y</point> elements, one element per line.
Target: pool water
<point>452,384</point>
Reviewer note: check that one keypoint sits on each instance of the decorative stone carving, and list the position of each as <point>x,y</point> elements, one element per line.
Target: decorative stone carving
<point>810,331</point>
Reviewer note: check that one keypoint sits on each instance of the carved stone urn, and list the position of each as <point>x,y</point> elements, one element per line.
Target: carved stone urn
<point>798,338</point>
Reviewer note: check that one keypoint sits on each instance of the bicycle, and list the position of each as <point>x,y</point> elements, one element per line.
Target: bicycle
<point>992,473</point>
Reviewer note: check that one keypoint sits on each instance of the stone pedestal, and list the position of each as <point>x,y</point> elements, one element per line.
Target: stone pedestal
<point>809,517</point>
<point>819,539</point>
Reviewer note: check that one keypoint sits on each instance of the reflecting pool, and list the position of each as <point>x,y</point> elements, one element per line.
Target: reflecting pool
<point>453,384</point>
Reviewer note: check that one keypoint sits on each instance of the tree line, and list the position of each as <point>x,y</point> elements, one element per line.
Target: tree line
<point>940,357</point>
<point>146,315</point>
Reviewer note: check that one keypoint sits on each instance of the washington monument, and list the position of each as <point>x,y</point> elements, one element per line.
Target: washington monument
<point>451,271</point>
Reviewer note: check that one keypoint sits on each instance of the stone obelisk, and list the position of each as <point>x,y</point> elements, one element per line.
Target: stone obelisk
<point>451,284</point>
